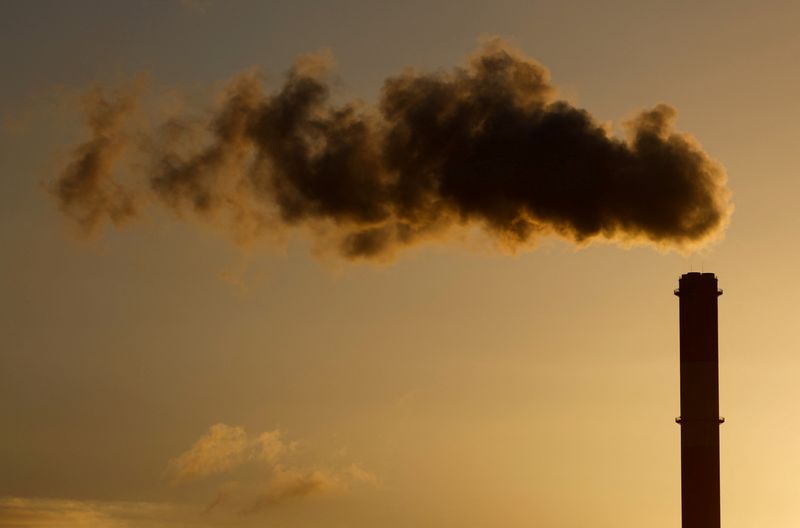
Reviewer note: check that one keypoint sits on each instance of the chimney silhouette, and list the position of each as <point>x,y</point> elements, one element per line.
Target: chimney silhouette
<point>699,419</point>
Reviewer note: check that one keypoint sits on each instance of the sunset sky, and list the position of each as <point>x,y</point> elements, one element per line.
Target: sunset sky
<point>169,371</point>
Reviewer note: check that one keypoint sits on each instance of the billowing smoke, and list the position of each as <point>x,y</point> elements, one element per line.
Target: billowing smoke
<point>485,145</point>
<point>86,190</point>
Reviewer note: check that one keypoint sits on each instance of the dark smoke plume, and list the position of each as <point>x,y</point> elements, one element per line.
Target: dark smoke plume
<point>487,144</point>
<point>86,190</point>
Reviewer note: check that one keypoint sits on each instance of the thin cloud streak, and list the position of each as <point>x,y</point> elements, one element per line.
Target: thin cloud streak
<point>18,512</point>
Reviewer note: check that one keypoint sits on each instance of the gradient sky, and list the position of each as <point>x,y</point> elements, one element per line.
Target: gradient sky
<point>162,376</point>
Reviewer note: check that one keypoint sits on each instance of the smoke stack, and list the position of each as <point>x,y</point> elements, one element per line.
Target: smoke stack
<point>699,418</point>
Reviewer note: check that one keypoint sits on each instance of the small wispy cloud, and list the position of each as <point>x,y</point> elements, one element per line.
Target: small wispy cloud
<point>224,448</point>
<point>258,471</point>
<point>288,484</point>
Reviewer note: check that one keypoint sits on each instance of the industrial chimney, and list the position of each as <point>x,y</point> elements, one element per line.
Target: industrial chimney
<point>699,419</point>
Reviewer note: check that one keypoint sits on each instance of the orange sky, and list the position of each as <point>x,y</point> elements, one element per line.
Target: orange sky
<point>159,375</point>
